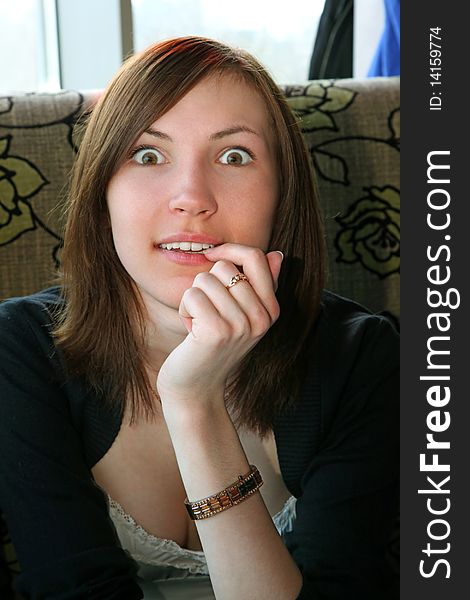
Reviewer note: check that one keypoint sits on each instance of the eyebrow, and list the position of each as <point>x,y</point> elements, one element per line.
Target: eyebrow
<point>214,136</point>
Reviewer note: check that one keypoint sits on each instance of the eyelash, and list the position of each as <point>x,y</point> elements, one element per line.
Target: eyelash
<point>134,151</point>
<point>249,152</point>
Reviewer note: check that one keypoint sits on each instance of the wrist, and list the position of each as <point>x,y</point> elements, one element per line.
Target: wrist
<point>194,409</point>
<point>194,394</point>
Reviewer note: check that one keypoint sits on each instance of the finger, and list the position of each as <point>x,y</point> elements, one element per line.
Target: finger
<point>255,266</point>
<point>195,306</point>
<point>255,317</point>
<point>185,316</point>
<point>275,262</point>
<point>214,284</point>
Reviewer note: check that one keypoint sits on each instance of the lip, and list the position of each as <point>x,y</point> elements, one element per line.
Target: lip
<point>182,258</point>
<point>186,236</point>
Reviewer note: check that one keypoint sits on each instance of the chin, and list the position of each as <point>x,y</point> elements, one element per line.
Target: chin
<point>167,291</point>
<point>168,298</point>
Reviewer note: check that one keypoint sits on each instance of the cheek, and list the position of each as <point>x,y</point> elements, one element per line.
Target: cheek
<point>252,223</point>
<point>128,211</point>
<point>264,206</point>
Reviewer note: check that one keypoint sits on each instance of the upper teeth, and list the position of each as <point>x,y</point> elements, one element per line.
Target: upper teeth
<point>192,246</point>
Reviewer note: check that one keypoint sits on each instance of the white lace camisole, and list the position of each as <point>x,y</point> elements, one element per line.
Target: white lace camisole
<point>166,570</point>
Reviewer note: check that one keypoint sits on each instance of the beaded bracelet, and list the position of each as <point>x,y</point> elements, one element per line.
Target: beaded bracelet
<point>239,490</point>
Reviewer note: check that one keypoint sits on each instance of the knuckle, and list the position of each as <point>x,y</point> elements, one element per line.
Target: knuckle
<point>275,312</point>
<point>256,253</point>
<point>260,315</point>
<point>223,263</point>
<point>221,334</point>
<point>186,294</point>
<point>222,269</point>
<point>261,320</point>
<point>191,294</point>
<point>202,278</point>
<point>242,327</point>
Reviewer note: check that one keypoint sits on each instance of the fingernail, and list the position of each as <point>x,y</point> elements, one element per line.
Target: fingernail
<point>282,255</point>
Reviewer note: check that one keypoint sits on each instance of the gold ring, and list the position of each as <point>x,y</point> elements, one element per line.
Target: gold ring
<point>236,279</point>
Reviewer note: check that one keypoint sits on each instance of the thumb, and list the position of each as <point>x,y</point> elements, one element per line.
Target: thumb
<point>275,259</point>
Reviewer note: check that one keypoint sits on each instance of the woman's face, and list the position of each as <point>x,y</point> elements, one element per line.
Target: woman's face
<point>205,172</point>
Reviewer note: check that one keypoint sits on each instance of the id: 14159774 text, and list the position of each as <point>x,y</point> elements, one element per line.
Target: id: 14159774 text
<point>435,67</point>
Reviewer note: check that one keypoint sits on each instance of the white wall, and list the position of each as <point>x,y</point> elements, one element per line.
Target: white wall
<point>369,18</point>
<point>89,56</point>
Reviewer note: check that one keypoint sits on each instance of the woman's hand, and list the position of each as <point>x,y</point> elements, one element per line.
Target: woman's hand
<point>223,324</point>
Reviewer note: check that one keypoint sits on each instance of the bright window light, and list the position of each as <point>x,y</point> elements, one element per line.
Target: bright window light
<point>280,34</point>
<point>28,46</point>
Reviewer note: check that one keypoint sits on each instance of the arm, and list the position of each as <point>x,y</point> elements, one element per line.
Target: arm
<point>57,516</point>
<point>245,555</point>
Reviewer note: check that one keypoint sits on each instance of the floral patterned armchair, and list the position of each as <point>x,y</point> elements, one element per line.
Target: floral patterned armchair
<point>351,127</point>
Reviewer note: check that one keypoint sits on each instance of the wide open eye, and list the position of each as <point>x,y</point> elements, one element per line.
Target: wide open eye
<point>148,156</point>
<point>236,156</point>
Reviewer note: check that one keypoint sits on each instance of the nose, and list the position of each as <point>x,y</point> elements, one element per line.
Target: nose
<point>193,193</point>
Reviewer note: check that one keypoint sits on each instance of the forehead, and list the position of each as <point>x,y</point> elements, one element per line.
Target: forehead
<point>219,100</point>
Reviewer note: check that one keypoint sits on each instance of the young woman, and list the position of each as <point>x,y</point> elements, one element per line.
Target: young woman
<point>181,350</point>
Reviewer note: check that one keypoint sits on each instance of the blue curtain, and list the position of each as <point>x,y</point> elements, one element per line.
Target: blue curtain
<point>386,61</point>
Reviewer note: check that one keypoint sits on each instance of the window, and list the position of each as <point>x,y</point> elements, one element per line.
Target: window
<point>28,46</point>
<point>281,35</point>
<point>92,37</point>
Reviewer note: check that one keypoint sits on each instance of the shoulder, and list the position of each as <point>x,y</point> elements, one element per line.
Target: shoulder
<point>348,333</point>
<point>25,325</point>
<point>346,317</point>
<point>34,378</point>
<point>356,357</point>
<point>38,303</point>
<point>43,300</point>
<point>52,431</point>
<point>351,350</point>
<point>27,348</point>
<point>339,451</point>
<point>29,316</point>
<point>350,373</point>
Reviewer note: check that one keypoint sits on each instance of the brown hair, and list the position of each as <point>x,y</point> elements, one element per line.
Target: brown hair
<point>100,327</point>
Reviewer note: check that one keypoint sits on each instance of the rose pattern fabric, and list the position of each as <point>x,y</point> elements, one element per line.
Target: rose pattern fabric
<point>5,104</point>
<point>370,232</point>
<point>20,180</point>
<point>369,228</point>
<point>35,129</point>
<point>317,103</point>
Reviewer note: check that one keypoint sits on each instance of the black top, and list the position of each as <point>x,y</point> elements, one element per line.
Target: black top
<point>338,451</point>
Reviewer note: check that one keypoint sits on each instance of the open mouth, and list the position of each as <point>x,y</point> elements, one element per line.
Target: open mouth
<point>186,247</point>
